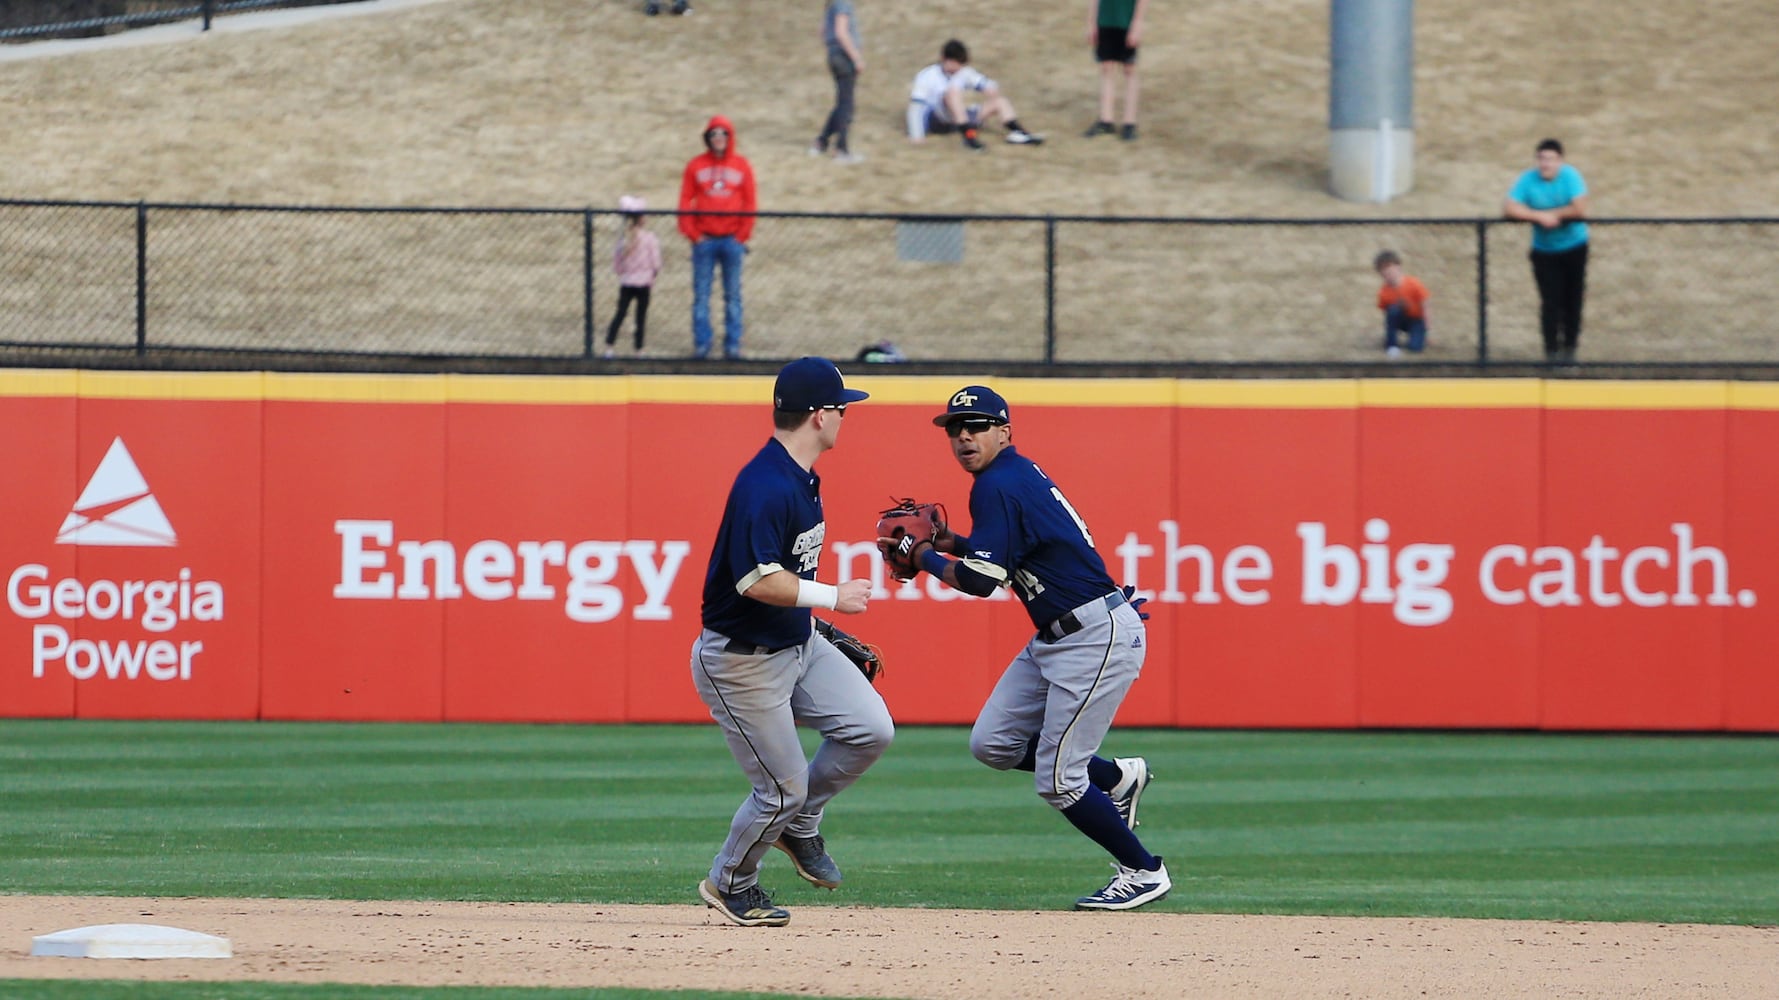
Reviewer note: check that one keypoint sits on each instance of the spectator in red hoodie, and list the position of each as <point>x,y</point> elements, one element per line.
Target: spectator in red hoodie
<point>717,180</point>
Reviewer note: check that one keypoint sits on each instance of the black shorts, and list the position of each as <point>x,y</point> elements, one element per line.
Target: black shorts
<point>1111,47</point>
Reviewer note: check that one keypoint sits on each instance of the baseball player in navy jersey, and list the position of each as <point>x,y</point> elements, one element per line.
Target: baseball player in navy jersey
<point>1054,703</point>
<point>762,670</point>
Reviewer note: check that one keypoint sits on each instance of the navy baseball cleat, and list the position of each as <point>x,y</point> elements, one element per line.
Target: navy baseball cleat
<point>810,855</point>
<point>1130,788</point>
<point>750,907</point>
<point>1129,889</point>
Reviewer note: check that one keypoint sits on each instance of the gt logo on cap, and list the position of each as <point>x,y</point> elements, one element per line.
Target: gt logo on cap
<point>964,398</point>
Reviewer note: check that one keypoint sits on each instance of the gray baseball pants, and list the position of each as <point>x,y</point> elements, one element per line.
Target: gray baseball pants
<point>759,699</point>
<point>1065,693</point>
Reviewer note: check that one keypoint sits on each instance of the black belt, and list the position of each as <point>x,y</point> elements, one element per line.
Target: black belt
<point>1068,624</point>
<point>749,649</point>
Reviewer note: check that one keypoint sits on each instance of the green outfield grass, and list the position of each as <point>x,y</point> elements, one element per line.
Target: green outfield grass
<point>1582,827</point>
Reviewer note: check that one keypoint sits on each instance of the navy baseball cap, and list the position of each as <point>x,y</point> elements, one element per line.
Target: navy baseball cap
<point>808,384</point>
<point>974,401</point>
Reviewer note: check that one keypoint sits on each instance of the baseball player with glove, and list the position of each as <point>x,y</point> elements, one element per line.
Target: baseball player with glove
<point>1054,704</point>
<point>763,670</point>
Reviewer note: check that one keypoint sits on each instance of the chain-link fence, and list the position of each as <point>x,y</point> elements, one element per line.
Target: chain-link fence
<point>538,284</point>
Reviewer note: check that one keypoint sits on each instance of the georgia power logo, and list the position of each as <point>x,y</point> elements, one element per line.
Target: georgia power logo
<point>116,508</point>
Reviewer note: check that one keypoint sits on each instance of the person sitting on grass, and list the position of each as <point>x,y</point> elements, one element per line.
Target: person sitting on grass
<point>936,102</point>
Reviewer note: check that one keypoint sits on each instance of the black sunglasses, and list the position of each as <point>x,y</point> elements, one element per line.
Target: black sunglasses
<point>975,425</point>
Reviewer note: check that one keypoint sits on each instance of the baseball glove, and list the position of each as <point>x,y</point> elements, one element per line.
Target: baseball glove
<point>902,528</point>
<point>868,658</point>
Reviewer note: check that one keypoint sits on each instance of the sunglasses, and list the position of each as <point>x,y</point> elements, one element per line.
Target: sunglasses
<point>975,425</point>
<point>839,408</point>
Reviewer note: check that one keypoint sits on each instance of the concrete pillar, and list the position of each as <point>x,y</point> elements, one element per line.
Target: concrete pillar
<point>1371,99</point>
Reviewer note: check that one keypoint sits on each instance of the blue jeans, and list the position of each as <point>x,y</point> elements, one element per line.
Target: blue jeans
<point>1395,321</point>
<point>707,253</point>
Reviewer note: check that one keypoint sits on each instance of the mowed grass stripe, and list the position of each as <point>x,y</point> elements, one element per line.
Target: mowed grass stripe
<point>1486,824</point>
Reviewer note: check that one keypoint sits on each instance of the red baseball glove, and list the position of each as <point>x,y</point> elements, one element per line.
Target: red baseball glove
<point>902,529</point>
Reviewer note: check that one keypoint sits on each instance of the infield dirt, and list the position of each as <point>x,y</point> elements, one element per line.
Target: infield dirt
<point>908,953</point>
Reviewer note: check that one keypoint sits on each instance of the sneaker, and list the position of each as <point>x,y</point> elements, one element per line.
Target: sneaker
<point>810,855</point>
<point>609,354</point>
<point>682,7</point>
<point>1020,137</point>
<point>1392,351</point>
<point>1130,787</point>
<point>1128,133</point>
<point>651,8</point>
<point>750,907</point>
<point>972,143</point>
<point>847,157</point>
<point>1129,889</point>
<point>1098,128</point>
<point>817,149</point>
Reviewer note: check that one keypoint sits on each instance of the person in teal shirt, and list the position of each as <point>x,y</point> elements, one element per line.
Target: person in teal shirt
<point>1553,197</point>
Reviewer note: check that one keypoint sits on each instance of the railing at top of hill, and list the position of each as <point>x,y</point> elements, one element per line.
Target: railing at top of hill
<point>142,14</point>
<point>515,287</point>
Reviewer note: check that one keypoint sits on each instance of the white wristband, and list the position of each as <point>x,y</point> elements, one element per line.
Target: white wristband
<point>811,594</point>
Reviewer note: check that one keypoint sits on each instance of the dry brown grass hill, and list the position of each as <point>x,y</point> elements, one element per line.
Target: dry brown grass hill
<point>1665,107</point>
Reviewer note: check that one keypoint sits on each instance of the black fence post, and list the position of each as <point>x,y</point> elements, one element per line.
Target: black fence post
<point>141,277</point>
<point>1050,289</point>
<point>1482,291</point>
<point>587,282</point>
<point>209,9</point>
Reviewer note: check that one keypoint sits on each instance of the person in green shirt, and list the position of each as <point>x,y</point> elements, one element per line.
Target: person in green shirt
<point>1114,30</point>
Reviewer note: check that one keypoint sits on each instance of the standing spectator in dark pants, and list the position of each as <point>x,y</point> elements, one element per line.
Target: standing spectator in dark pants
<point>717,180</point>
<point>1554,199</point>
<point>840,30</point>
<point>637,260</point>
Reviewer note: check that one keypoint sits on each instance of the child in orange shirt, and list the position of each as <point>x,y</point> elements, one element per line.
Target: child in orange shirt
<point>1404,301</point>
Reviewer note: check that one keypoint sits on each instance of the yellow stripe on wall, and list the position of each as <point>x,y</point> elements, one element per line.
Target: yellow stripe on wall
<point>539,389</point>
<point>1311,394</point>
<point>39,382</point>
<point>170,385</point>
<point>301,387</point>
<point>1568,395</point>
<point>1754,395</point>
<point>931,390</point>
<point>1433,393</point>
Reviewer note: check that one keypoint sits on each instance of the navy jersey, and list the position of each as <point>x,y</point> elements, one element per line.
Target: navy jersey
<point>773,521</point>
<point>1024,534</point>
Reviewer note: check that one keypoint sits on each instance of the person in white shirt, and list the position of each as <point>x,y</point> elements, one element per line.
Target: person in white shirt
<point>936,102</point>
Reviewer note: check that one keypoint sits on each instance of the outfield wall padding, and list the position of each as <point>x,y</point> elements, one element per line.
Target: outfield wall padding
<point>1334,553</point>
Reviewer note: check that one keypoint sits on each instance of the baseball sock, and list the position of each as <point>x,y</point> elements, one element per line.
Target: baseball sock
<point>1014,126</point>
<point>1103,773</point>
<point>1095,815</point>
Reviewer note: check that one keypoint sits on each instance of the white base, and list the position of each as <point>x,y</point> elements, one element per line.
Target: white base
<point>129,941</point>
<point>1371,164</point>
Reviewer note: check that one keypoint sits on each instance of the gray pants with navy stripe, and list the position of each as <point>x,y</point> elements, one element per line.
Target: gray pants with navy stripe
<point>759,700</point>
<point>1065,693</point>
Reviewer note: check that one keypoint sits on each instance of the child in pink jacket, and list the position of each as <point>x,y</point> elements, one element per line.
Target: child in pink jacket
<point>636,261</point>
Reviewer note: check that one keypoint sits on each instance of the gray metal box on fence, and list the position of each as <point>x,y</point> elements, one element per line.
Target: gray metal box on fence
<point>930,242</point>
